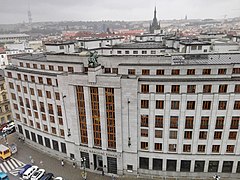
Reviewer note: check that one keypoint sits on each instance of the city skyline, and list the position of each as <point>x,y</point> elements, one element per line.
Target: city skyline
<point>121,10</point>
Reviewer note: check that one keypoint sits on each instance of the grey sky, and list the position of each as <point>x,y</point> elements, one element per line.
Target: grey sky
<point>15,11</point>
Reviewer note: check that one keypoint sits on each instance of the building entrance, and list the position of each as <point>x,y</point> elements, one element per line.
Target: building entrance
<point>98,162</point>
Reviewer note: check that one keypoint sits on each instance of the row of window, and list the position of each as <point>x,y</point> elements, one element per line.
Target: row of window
<point>44,67</point>
<point>189,71</point>
<point>189,122</point>
<point>191,89</point>
<point>138,52</point>
<point>185,165</point>
<point>39,139</point>
<point>187,148</point>
<point>189,134</point>
<point>206,105</point>
<point>27,78</point>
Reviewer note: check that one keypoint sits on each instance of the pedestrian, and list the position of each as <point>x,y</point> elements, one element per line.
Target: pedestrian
<point>74,165</point>
<point>32,161</point>
<point>41,163</point>
<point>102,172</point>
<point>62,163</point>
<point>113,178</point>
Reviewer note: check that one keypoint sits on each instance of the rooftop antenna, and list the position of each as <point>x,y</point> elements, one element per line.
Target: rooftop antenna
<point>29,14</point>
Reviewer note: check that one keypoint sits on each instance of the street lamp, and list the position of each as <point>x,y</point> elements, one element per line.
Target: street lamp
<point>84,174</point>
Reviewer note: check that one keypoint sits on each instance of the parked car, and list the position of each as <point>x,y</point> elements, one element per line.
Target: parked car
<point>38,174</point>
<point>24,168</point>
<point>29,172</point>
<point>48,176</point>
<point>58,178</point>
<point>3,126</point>
<point>10,128</point>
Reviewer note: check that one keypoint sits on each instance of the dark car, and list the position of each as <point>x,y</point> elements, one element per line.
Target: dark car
<point>47,176</point>
<point>24,168</point>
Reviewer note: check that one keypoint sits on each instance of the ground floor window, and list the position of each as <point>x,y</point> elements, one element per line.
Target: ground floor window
<point>33,136</point>
<point>20,129</point>
<point>55,145</point>
<point>199,166</point>
<point>47,142</point>
<point>63,148</point>
<point>213,166</point>
<point>27,134</point>
<point>85,156</point>
<point>227,166</point>
<point>40,139</point>
<point>157,164</point>
<point>112,165</point>
<point>171,165</point>
<point>144,163</point>
<point>185,166</point>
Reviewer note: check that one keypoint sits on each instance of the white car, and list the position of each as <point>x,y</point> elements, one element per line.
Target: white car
<point>29,172</point>
<point>9,127</point>
<point>59,178</point>
<point>38,174</point>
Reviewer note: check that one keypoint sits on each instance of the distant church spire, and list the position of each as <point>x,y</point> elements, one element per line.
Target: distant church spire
<point>154,25</point>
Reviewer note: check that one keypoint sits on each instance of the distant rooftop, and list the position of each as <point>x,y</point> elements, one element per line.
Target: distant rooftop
<point>13,35</point>
<point>147,45</point>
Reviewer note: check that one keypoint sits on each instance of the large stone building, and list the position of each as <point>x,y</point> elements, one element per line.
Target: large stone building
<point>154,115</point>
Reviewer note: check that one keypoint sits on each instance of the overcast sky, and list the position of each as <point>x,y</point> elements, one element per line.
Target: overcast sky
<point>15,11</point>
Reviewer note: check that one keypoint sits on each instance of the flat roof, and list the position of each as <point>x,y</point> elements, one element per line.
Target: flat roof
<point>188,79</point>
<point>13,35</point>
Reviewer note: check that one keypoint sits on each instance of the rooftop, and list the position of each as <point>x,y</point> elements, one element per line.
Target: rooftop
<point>145,45</point>
<point>13,35</point>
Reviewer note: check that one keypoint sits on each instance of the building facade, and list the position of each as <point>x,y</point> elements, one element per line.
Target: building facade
<point>5,110</point>
<point>131,115</point>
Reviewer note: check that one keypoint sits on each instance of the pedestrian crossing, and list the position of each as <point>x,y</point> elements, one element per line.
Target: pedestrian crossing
<point>12,166</point>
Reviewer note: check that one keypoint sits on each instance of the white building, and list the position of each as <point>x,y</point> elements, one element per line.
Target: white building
<point>132,115</point>
<point>64,47</point>
<point>5,38</point>
<point>194,47</point>
<point>3,59</point>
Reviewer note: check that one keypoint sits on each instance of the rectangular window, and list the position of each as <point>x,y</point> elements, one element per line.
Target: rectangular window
<point>42,66</point>
<point>222,88</point>
<point>213,166</point>
<point>191,88</point>
<point>115,70</point>
<point>219,123</point>
<point>188,135</point>
<point>144,145</point>
<point>191,72</point>
<point>222,105</point>
<point>186,148</point>
<point>189,122</point>
<point>55,145</point>
<point>236,71</point>
<point>171,165</point>
<point>28,65</point>
<point>237,88</point>
<point>159,88</point>
<point>158,133</point>
<point>204,122</point>
<point>237,105</point>
<point>218,135</point>
<point>227,166</point>
<point>145,72</point>
<point>63,148</point>
<point>70,69</point>
<point>201,148</point>
<point>190,105</point>
<point>157,164</point>
<point>203,135</point>
<point>175,71</point>
<point>222,71</point>
<point>143,163</point>
<point>19,76</point>
<point>207,88</point>
<point>174,104</point>
<point>135,52</point>
<point>215,148</point>
<point>126,52</point>
<point>173,134</point>
<point>158,146</point>
<point>144,120</point>
<point>206,105</point>
<point>232,135</point>
<point>158,121</point>
<point>48,93</point>
<point>144,52</point>
<point>159,104</point>
<point>230,149</point>
<point>144,104</point>
<point>235,122</point>
<point>131,71</point>
<point>119,52</point>
<point>40,139</point>
<point>21,64</point>
<point>51,67</point>
<point>25,77</point>
<point>11,85</point>
<point>9,74</point>
<point>172,147</point>
<point>60,68</point>
<point>40,80</point>
<point>175,89</point>
<point>57,96</point>
<point>144,132</point>
<point>47,142</point>
<point>174,122</point>
<point>206,71</point>
<point>153,52</point>
<point>160,72</point>
<point>49,81</point>
<point>145,88</point>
